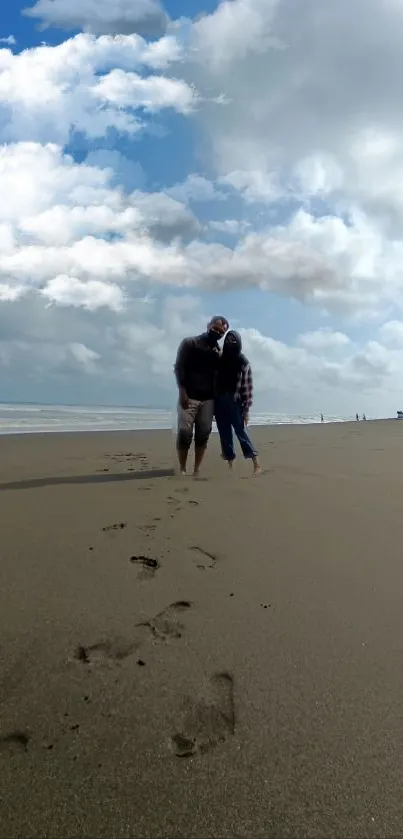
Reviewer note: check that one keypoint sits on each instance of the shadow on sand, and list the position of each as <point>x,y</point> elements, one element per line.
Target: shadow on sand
<point>34,483</point>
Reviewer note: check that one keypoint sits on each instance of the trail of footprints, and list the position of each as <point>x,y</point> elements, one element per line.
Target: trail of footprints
<point>208,720</point>
<point>205,721</point>
<point>133,460</point>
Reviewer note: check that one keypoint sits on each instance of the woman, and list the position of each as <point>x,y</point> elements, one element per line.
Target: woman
<point>234,400</point>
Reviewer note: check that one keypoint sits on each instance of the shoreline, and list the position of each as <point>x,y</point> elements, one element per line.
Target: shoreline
<point>165,430</point>
<point>22,419</point>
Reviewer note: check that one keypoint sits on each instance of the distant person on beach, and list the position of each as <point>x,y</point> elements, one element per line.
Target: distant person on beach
<point>322,419</point>
<point>234,400</point>
<point>357,418</point>
<point>195,371</point>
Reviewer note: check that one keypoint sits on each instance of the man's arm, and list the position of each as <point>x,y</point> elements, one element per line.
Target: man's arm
<point>179,370</point>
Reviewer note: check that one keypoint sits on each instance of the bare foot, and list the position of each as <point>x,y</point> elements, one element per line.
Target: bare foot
<point>256,470</point>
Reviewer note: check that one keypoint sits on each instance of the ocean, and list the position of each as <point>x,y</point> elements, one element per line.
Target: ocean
<point>28,419</point>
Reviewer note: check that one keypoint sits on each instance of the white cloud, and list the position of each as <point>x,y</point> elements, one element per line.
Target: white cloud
<point>297,78</point>
<point>8,41</point>
<point>152,93</point>
<point>91,295</point>
<point>85,356</point>
<point>234,227</point>
<point>65,219</point>
<point>10,293</point>
<point>235,31</point>
<point>308,125</point>
<point>62,218</point>
<point>164,217</point>
<point>254,185</point>
<point>87,84</point>
<point>323,339</point>
<point>102,16</point>
<point>391,333</point>
<point>198,189</point>
<point>307,377</point>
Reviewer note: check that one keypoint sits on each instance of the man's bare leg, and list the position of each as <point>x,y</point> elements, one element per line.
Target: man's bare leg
<point>199,455</point>
<point>183,459</point>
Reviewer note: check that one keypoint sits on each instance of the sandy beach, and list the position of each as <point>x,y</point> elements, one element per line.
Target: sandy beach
<point>212,658</point>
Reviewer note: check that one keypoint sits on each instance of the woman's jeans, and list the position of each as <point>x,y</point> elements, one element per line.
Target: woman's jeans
<point>229,417</point>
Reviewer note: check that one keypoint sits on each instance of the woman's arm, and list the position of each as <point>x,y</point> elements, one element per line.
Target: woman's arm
<point>247,390</point>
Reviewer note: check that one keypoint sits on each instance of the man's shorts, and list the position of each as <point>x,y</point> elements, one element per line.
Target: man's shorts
<point>198,416</point>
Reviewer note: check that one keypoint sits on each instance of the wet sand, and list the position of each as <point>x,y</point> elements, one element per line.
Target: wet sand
<point>213,658</point>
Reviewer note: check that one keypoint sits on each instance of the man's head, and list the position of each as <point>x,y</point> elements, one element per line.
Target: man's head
<point>217,327</point>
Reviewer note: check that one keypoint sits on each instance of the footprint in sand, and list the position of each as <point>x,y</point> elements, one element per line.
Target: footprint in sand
<point>105,652</point>
<point>163,627</point>
<point>207,721</point>
<point>147,566</point>
<point>210,559</point>
<point>173,502</point>
<point>118,526</point>
<point>15,741</point>
<point>167,624</point>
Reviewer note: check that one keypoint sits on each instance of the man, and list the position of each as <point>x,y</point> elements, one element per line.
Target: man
<point>195,370</point>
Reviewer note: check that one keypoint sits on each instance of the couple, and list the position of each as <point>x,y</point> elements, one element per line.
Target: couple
<point>213,382</point>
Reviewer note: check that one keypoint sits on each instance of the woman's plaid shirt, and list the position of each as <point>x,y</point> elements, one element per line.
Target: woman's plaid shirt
<point>244,390</point>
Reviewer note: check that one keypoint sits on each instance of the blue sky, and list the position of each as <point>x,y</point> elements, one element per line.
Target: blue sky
<point>219,181</point>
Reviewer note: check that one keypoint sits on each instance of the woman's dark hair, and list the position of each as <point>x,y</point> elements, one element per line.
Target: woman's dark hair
<point>231,363</point>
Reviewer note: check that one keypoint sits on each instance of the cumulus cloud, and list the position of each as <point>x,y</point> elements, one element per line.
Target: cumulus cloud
<point>85,356</point>
<point>164,217</point>
<point>68,291</point>
<point>296,78</point>
<point>196,188</point>
<point>87,84</point>
<point>102,16</point>
<point>65,219</point>
<point>307,126</point>
<point>59,346</point>
<point>391,333</point>
<point>323,339</point>
<point>68,219</point>
<point>232,226</point>
<point>129,90</point>
<point>253,185</point>
<point>308,377</point>
<point>10,293</point>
